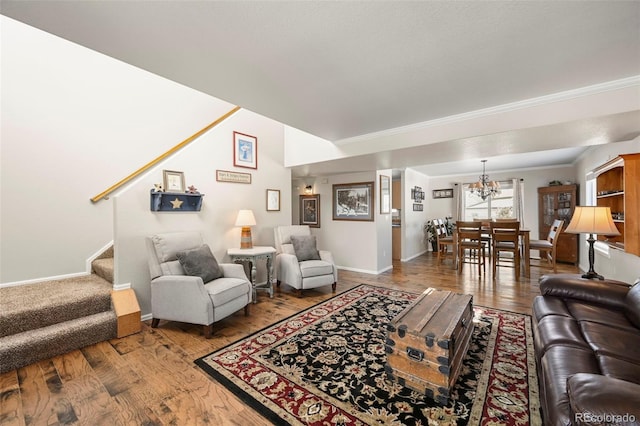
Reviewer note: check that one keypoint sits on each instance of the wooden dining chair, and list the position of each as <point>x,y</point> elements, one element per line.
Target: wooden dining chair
<point>505,238</point>
<point>486,233</point>
<point>444,241</point>
<point>548,247</point>
<point>471,247</point>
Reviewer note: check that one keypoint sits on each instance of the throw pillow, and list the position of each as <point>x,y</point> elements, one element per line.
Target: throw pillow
<point>201,263</point>
<point>305,247</point>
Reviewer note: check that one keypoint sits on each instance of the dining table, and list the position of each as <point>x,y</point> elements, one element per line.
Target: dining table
<point>525,236</point>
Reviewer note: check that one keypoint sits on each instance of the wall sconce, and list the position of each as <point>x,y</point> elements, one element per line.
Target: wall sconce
<point>308,189</point>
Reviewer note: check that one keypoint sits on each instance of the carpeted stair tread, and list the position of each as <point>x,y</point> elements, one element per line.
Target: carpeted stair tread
<point>30,346</point>
<point>38,305</point>
<point>104,268</point>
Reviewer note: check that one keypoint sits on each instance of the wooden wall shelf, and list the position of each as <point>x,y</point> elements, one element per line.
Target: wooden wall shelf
<point>618,187</point>
<point>175,202</point>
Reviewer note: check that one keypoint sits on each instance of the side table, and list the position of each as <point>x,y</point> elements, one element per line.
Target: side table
<point>252,256</point>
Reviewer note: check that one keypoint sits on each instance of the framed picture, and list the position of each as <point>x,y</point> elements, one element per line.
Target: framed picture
<point>417,194</point>
<point>234,177</point>
<point>385,194</point>
<point>442,193</point>
<point>353,201</point>
<point>273,200</point>
<point>418,207</point>
<point>173,181</point>
<point>245,150</point>
<point>310,210</point>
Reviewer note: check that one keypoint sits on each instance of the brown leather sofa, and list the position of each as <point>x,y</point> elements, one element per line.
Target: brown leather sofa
<point>587,343</point>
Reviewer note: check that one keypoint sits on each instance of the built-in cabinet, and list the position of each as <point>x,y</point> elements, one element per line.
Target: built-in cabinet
<point>617,187</point>
<point>559,202</point>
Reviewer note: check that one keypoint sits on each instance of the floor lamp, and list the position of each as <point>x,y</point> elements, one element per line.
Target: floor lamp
<point>592,220</point>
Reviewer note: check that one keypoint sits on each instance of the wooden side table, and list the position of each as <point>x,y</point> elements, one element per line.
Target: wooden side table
<point>252,256</point>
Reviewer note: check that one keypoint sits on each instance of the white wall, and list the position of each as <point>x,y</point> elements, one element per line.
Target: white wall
<point>413,221</point>
<point>354,245</point>
<point>73,123</point>
<point>199,161</point>
<point>610,263</point>
<point>383,226</point>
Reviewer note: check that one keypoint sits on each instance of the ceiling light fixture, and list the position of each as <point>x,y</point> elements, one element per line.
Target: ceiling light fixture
<point>484,187</point>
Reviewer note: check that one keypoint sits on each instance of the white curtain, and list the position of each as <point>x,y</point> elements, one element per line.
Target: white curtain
<point>518,201</point>
<point>458,199</point>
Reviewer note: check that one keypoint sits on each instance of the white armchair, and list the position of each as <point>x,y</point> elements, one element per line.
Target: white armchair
<point>307,267</point>
<point>182,296</point>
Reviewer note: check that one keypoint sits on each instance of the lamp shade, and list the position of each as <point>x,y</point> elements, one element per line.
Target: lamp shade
<point>245,218</point>
<point>592,220</point>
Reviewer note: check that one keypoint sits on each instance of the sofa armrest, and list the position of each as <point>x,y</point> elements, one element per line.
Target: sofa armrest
<point>233,270</point>
<point>600,400</point>
<point>181,298</point>
<point>288,269</point>
<point>569,286</point>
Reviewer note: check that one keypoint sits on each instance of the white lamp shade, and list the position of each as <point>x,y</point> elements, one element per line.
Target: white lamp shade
<point>245,218</point>
<point>592,220</point>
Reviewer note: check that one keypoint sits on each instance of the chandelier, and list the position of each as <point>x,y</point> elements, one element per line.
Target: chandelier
<point>484,187</point>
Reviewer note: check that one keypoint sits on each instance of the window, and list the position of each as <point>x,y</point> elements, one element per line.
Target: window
<point>498,207</point>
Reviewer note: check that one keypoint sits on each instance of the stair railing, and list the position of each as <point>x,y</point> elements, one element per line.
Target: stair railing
<point>104,195</point>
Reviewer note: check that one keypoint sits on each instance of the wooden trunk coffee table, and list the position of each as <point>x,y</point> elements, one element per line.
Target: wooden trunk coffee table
<point>427,341</point>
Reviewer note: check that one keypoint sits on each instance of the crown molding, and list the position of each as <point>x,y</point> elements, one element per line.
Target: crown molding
<point>527,103</point>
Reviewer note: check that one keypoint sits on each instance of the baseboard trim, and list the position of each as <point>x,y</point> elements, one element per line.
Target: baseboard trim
<point>363,271</point>
<point>125,286</point>
<point>41,280</point>
<point>414,256</point>
<point>146,317</point>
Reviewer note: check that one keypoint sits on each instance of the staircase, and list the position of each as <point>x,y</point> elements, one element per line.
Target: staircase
<point>42,320</point>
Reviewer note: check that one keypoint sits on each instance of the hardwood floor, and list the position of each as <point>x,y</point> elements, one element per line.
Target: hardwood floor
<point>150,379</point>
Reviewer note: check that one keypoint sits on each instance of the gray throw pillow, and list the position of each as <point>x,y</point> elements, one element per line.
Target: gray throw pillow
<point>201,263</point>
<point>305,247</point>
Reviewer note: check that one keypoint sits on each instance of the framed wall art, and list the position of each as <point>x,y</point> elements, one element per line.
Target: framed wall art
<point>245,150</point>
<point>173,181</point>
<point>234,177</point>
<point>442,193</point>
<point>273,200</point>
<point>310,210</point>
<point>418,207</point>
<point>385,194</point>
<point>417,194</point>
<point>353,201</point>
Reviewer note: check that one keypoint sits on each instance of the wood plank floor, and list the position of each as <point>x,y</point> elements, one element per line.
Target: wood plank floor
<point>150,379</point>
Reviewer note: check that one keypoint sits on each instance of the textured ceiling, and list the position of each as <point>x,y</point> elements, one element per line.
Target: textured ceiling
<point>343,69</point>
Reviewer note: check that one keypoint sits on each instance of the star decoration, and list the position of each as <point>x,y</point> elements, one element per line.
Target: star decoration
<point>176,203</point>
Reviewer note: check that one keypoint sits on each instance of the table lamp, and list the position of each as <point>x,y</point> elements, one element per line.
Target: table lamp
<point>246,220</point>
<point>592,220</point>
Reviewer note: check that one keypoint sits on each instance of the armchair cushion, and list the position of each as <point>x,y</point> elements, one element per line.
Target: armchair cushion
<point>314,268</point>
<point>305,247</point>
<point>225,290</point>
<point>200,262</point>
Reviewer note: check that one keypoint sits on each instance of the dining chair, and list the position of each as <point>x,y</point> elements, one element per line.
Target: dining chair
<point>548,246</point>
<point>444,241</point>
<point>505,238</point>
<point>486,233</point>
<point>471,247</point>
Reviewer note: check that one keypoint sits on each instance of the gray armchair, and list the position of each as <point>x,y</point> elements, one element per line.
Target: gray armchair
<point>182,296</point>
<point>305,267</point>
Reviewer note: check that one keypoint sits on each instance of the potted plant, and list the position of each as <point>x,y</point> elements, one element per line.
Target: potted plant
<point>430,232</point>
<point>430,235</point>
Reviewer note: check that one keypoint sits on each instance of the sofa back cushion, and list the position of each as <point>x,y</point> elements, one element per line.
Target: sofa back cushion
<point>632,304</point>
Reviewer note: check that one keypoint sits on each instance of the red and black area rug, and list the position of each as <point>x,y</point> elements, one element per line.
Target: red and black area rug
<point>326,366</point>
